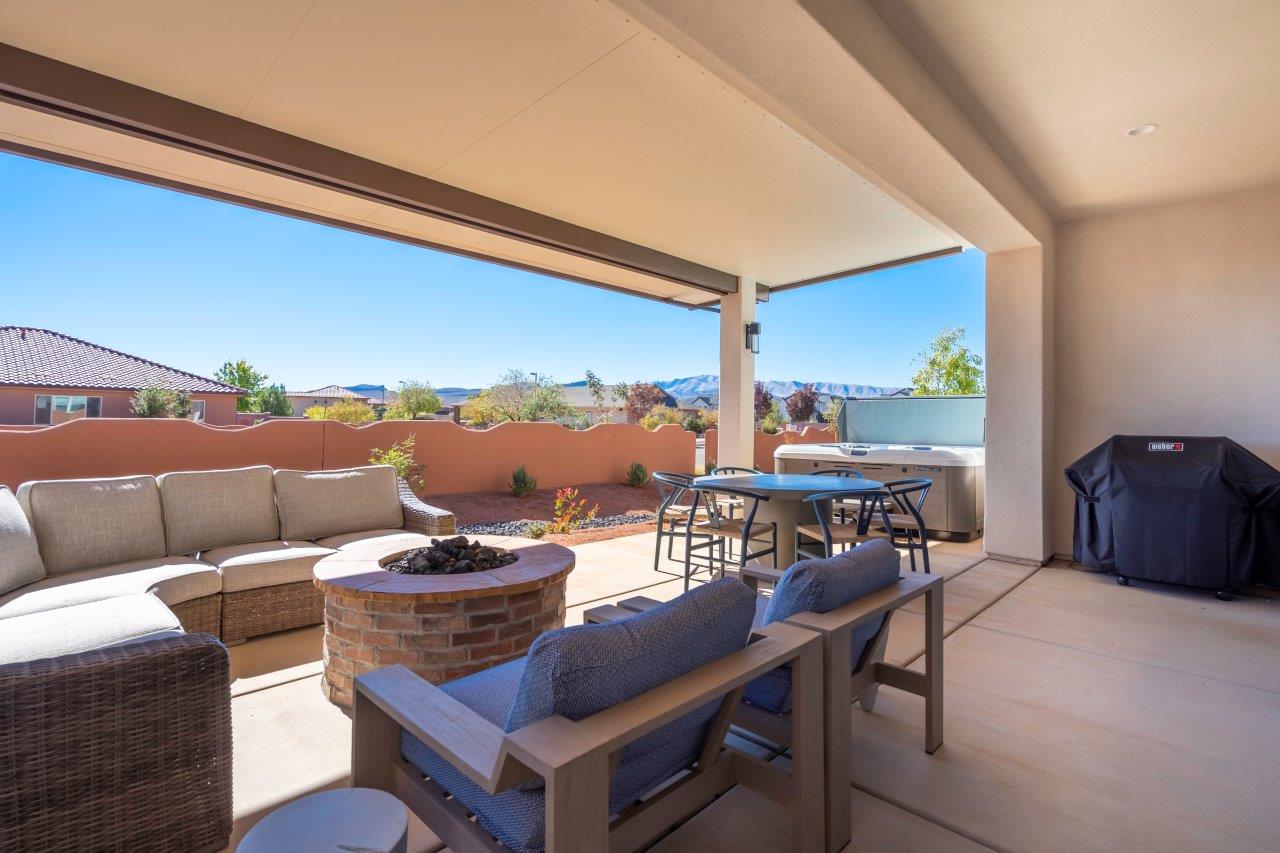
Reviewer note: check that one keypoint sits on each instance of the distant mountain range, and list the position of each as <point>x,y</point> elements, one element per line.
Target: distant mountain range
<point>708,385</point>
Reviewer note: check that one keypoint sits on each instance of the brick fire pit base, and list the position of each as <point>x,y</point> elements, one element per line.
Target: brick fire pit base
<point>440,626</point>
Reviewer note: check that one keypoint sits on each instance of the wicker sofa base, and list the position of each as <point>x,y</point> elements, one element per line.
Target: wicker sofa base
<point>203,615</point>
<point>253,612</point>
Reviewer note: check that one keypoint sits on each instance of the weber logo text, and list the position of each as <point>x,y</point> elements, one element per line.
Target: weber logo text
<point>1167,446</point>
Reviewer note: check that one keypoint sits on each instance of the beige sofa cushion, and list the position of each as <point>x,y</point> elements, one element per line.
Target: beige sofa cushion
<point>259,564</point>
<point>315,504</point>
<point>20,561</point>
<point>172,579</point>
<point>210,509</point>
<point>96,625</point>
<point>84,524</point>
<point>387,538</point>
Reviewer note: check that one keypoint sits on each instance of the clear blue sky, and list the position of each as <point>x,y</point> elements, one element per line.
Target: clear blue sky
<point>191,283</point>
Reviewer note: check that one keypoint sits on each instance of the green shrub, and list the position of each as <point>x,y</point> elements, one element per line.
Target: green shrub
<point>157,402</point>
<point>693,423</point>
<point>637,476</point>
<point>151,402</point>
<point>400,457</point>
<point>773,421</point>
<point>523,483</point>
<point>343,411</point>
<point>536,530</point>
<point>180,405</point>
<point>658,416</point>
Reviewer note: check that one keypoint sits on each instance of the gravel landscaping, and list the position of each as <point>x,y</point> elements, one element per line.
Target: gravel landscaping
<point>517,528</point>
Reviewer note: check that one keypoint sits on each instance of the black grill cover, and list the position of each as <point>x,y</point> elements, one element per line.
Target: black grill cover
<point>1198,511</point>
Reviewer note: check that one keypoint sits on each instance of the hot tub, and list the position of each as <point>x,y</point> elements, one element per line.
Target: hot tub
<point>955,507</point>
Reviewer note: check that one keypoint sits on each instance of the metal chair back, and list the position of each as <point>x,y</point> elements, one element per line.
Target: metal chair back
<point>672,488</point>
<point>909,497</point>
<point>716,509</point>
<point>852,473</point>
<point>735,469</point>
<point>873,503</point>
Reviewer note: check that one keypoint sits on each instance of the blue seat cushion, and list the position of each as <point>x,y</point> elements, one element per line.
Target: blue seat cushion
<point>581,670</point>
<point>818,586</point>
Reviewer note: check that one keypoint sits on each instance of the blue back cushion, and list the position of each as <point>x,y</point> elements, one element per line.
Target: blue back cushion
<point>581,670</point>
<point>819,586</point>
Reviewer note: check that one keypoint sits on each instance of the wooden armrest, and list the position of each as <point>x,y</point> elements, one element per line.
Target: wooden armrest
<point>909,587</point>
<point>458,734</point>
<point>764,573</point>
<point>555,742</point>
<point>639,604</point>
<point>606,613</point>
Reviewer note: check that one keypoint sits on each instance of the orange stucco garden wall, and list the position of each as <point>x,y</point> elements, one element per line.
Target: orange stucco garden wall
<point>456,459</point>
<point>765,443</point>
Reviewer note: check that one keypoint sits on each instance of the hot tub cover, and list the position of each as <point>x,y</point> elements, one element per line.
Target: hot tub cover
<point>1198,511</point>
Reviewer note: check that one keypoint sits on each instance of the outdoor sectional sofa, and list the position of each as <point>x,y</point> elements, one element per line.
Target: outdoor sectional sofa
<point>230,552</point>
<point>115,719</point>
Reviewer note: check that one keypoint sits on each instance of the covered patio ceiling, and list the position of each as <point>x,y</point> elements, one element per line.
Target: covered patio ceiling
<point>561,137</point>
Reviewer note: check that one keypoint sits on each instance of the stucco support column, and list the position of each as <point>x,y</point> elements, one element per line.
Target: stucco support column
<point>1020,474</point>
<point>736,436</point>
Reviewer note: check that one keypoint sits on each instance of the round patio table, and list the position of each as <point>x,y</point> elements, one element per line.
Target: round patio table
<point>786,506</point>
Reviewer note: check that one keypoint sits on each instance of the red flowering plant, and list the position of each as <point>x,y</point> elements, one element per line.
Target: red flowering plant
<point>570,511</point>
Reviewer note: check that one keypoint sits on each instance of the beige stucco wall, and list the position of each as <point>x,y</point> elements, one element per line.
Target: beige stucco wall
<point>1020,403</point>
<point>1168,321</point>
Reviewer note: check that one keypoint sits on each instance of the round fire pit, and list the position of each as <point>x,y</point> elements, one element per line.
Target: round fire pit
<point>442,626</point>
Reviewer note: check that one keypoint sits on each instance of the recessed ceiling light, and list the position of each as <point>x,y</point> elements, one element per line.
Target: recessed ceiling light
<point>1142,130</point>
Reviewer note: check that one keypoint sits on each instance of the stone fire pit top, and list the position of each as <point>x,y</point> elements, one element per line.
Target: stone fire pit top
<point>358,573</point>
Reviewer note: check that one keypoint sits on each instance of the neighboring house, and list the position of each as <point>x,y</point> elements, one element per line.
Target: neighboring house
<point>699,404</point>
<point>377,395</point>
<point>326,396</point>
<point>579,396</point>
<point>49,378</point>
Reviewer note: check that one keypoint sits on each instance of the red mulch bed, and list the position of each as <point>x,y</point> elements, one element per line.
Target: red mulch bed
<point>613,498</point>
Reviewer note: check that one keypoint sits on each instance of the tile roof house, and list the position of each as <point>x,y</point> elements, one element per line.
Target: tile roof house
<point>326,396</point>
<point>48,378</point>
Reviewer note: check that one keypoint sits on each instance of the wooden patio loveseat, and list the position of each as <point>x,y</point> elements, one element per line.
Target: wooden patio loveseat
<point>848,600</point>
<point>602,738</point>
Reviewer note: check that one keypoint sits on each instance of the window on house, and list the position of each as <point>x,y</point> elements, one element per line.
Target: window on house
<point>56,409</point>
<point>197,410</point>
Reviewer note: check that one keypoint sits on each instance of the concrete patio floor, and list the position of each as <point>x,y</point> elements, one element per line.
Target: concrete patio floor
<point>1078,715</point>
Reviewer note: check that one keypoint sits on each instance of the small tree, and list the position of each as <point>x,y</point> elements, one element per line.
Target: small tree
<point>152,402</point>
<point>832,413</point>
<point>546,402</point>
<point>802,404</point>
<point>641,398</point>
<point>414,399</point>
<point>241,374</point>
<point>693,423</point>
<point>764,400</point>
<point>481,411</point>
<point>772,421</point>
<point>343,411</point>
<point>272,400</point>
<point>599,393</point>
<point>948,368</point>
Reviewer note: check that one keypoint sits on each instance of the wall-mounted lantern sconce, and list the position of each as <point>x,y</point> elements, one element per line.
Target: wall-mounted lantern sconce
<point>753,337</point>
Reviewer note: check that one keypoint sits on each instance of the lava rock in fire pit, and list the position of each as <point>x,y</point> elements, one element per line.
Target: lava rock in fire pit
<point>454,556</point>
